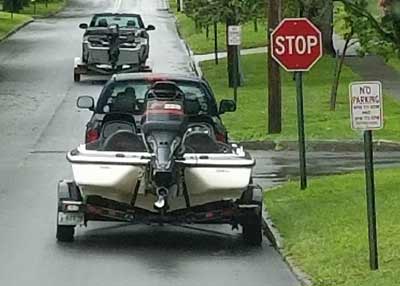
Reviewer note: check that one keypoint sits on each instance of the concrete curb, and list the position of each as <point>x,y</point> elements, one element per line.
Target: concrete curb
<point>322,145</point>
<point>194,65</point>
<point>16,29</point>
<point>273,235</point>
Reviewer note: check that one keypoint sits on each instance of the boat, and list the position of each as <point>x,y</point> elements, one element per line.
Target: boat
<point>208,177</point>
<point>169,169</point>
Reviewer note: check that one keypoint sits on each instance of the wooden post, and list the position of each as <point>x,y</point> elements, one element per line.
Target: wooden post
<point>274,78</point>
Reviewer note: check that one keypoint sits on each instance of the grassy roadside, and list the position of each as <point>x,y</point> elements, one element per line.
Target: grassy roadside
<point>27,14</point>
<point>325,228</point>
<point>7,24</point>
<point>43,11</point>
<point>199,42</point>
<point>249,121</point>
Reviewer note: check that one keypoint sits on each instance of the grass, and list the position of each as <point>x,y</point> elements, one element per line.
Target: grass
<point>7,24</point>
<point>325,228</point>
<point>249,122</point>
<point>43,11</point>
<point>173,5</point>
<point>199,43</point>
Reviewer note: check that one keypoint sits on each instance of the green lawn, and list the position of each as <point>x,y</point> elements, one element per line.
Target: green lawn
<point>43,11</point>
<point>7,24</point>
<point>250,120</point>
<point>173,5</point>
<point>325,228</point>
<point>199,43</point>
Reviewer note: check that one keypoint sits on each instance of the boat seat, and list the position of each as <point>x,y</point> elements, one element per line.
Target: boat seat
<point>125,101</point>
<point>111,127</point>
<point>102,23</point>
<point>131,24</point>
<point>201,143</point>
<point>124,141</point>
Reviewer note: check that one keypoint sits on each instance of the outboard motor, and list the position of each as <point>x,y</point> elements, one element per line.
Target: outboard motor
<point>113,39</point>
<point>163,125</point>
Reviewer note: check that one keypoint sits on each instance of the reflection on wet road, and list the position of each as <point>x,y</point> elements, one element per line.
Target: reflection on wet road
<point>275,167</point>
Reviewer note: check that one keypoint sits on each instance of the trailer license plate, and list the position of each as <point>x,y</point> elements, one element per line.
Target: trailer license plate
<point>70,218</point>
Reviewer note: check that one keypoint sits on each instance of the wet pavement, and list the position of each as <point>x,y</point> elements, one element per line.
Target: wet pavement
<point>39,122</point>
<point>276,167</point>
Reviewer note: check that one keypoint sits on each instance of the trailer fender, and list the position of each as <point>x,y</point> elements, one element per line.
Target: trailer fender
<point>257,194</point>
<point>63,190</point>
<point>77,62</point>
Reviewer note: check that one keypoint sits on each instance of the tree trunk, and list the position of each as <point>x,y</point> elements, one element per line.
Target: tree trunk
<point>274,78</point>
<point>336,80</point>
<point>230,55</point>
<point>321,14</point>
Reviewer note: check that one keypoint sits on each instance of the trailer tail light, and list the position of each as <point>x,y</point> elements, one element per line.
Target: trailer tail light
<point>92,135</point>
<point>220,137</point>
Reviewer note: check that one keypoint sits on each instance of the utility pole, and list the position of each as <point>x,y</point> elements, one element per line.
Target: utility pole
<point>274,77</point>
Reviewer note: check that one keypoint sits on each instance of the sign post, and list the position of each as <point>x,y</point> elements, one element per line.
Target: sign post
<point>366,108</point>
<point>235,39</point>
<point>216,42</point>
<point>301,132</point>
<point>296,44</point>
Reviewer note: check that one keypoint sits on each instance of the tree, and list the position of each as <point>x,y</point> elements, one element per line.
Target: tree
<point>228,12</point>
<point>380,35</point>
<point>12,5</point>
<point>319,12</point>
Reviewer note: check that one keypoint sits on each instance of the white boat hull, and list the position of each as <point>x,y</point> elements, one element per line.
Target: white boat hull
<point>115,182</point>
<point>115,176</point>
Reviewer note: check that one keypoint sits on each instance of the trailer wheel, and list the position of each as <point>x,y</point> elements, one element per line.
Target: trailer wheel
<point>251,228</point>
<point>65,233</point>
<point>77,77</point>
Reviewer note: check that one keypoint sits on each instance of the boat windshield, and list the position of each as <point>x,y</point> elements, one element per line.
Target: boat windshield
<point>128,21</point>
<point>129,96</point>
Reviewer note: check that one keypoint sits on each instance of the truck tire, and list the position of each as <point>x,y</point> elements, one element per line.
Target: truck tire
<point>65,233</point>
<point>252,228</point>
<point>77,77</point>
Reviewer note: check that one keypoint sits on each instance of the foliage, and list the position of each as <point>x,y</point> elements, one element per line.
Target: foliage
<point>378,35</point>
<point>200,44</point>
<point>235,11</point>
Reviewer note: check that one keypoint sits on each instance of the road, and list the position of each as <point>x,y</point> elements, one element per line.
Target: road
<point>39,122</point>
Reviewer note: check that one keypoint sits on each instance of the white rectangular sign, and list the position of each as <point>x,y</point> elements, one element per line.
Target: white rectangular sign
<point>366,105</point>
<point>234,35</point>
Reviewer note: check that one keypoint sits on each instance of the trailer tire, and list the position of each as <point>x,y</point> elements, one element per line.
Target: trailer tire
<point>65,233</point>
<point>252,228</point>
<point>77,77</point>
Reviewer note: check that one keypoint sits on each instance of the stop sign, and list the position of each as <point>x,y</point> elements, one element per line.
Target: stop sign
<point>296,44</point>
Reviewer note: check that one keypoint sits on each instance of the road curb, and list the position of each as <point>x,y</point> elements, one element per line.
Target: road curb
<point>16,29</point>
<point>194,65</point>
<point>273,235</point>
<point>322,145</point>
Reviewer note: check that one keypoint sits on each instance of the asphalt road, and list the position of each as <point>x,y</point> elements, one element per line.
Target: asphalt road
<point>39,122</point>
